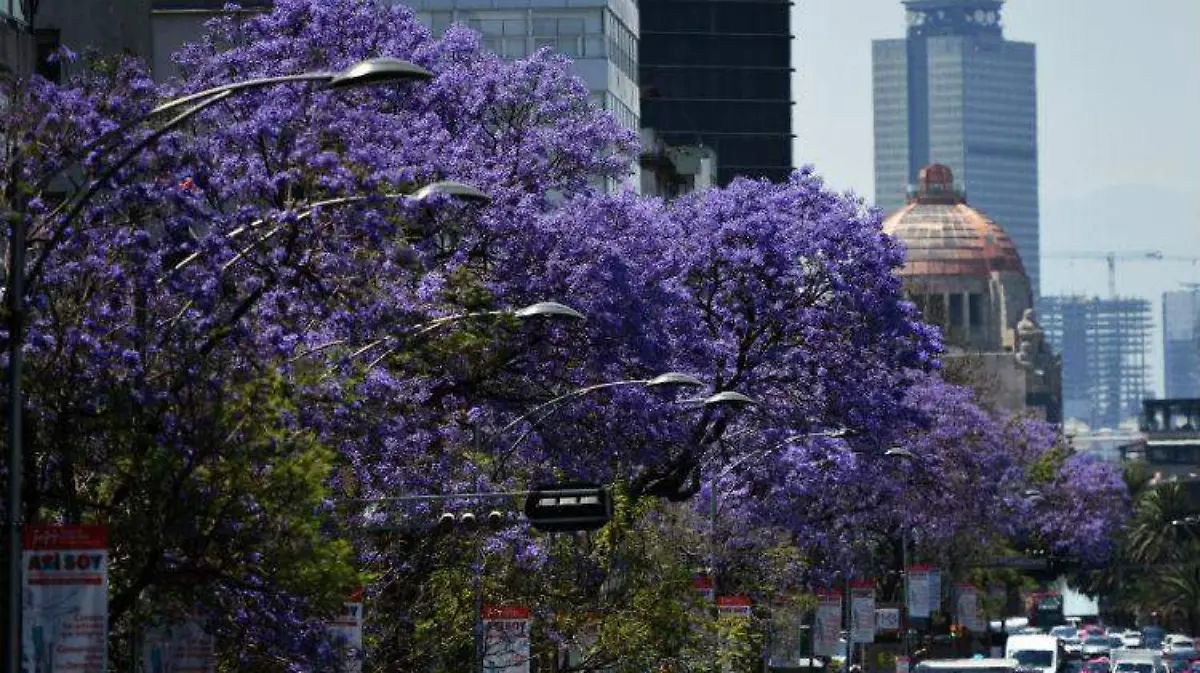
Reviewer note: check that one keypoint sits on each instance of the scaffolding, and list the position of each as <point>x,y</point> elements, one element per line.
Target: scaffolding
<point>1105,348</point>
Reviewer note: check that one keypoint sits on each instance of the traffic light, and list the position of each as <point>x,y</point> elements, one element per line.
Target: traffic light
<point>559,508</point>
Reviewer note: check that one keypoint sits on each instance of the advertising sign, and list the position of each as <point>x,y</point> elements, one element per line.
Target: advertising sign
<point>733,606</point>
<point>787,642</point>
<point>901,664</point>
<point>506,639</point>
<point>178,648</point>
<point>346,631</point>
<point>65,624</point>
<point>935,590</point>
<point>862,612</point>
<point>918,591</point>
<point>967,613</point>
<point>827,628</point>
<point>887,620</point>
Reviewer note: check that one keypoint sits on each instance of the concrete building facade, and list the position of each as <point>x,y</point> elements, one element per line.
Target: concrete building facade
<point>955,92</point>
<point>668,171</point>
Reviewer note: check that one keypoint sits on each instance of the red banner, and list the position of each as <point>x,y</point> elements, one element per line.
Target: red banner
<point>505,612</point>
<point>53,538</point>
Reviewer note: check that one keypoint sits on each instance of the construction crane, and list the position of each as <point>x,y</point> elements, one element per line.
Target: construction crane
<point>1111,258</point>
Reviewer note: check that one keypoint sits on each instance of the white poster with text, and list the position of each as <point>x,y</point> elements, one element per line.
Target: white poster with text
<point>65,599</point>
<point>828,623</point>
<point>918,591</point>
<point>346,632</point>
<point>862,612</point>
<point>506,639</point>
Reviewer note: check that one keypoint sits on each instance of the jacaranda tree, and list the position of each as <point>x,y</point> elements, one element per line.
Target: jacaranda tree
<point>255,336</point>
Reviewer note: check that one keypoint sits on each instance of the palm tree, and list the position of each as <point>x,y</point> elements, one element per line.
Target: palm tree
<point>1180,586</point>
<point>1160,531</point>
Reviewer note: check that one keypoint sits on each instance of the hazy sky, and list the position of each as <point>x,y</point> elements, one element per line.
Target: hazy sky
<point>1118,125</point>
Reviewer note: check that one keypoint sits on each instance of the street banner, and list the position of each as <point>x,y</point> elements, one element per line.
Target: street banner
<point>703,584</point>
<point>935,590</point>
<point>506,639</point>
<point>733,606</point>
<point>65,618</point>
<point>182,647</point>
<point>786,649</point>
<point>967,613</point>
<point>887,620</point>
<point>918,591</point>
<point>346,632</point>
<point>862,612</point>
<point>901,664</point>
<point>828,627</point>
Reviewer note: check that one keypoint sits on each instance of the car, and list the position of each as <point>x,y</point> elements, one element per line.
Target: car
<point>1178,644</point>
<point>1131,639</point>
<point>1116,641</point>
<point>1099,665</point>
<point>1170,639</point>
<point>1096,646</point>
<point>1072,645</point>
<point>1066,631</point>
<point>1134,667</point>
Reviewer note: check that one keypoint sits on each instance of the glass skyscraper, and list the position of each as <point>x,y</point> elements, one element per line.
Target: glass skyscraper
<point>717,73</point>
<point>955,92</point>
<point>1181,343</point>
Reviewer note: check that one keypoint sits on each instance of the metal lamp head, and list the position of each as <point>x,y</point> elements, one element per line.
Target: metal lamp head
<point>899,452</point>
<point>378,71</point>
<point>729,398</point>
<point>458,190</point>
<point>674,379</point>
<point>550,309</point>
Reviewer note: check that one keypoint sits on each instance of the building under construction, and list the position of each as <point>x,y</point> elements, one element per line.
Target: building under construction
<point>1105,347</point>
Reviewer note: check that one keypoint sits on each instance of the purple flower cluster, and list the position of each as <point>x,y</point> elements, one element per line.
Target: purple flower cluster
<point>215,364</point>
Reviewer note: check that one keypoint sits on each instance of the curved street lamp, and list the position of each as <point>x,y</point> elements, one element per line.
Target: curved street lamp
<point>369,72</point>
<point>543,309</point>
<point>451,188</point>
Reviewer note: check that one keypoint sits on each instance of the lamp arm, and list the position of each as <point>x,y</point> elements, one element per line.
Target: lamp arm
<point>78,203</point>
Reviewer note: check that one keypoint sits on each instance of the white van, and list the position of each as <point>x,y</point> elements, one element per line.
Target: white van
<point>1042,652</point>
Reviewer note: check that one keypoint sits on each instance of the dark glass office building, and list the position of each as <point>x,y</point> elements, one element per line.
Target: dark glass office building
<point>955,92</point>
<point>718,73</point>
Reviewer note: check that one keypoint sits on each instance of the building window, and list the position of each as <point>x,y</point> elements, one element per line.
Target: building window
<point>975,306</point>
<point>957,317</point>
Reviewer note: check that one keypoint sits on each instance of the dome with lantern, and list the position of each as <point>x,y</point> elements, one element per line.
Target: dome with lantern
<point>962,269</point>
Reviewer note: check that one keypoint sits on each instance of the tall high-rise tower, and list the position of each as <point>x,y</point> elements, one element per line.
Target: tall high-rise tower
<point>1181,343</point>
<point>955,92</point>
<point>718,73</point>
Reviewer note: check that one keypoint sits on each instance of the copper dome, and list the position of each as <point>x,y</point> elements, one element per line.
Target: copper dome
<point>945,236</point>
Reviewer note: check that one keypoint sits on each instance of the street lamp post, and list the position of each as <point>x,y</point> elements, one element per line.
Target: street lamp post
<point>369,72</point>
<point>903,454</point>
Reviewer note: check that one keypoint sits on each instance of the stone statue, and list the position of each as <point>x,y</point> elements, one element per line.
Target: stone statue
<point>1031,345</point>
